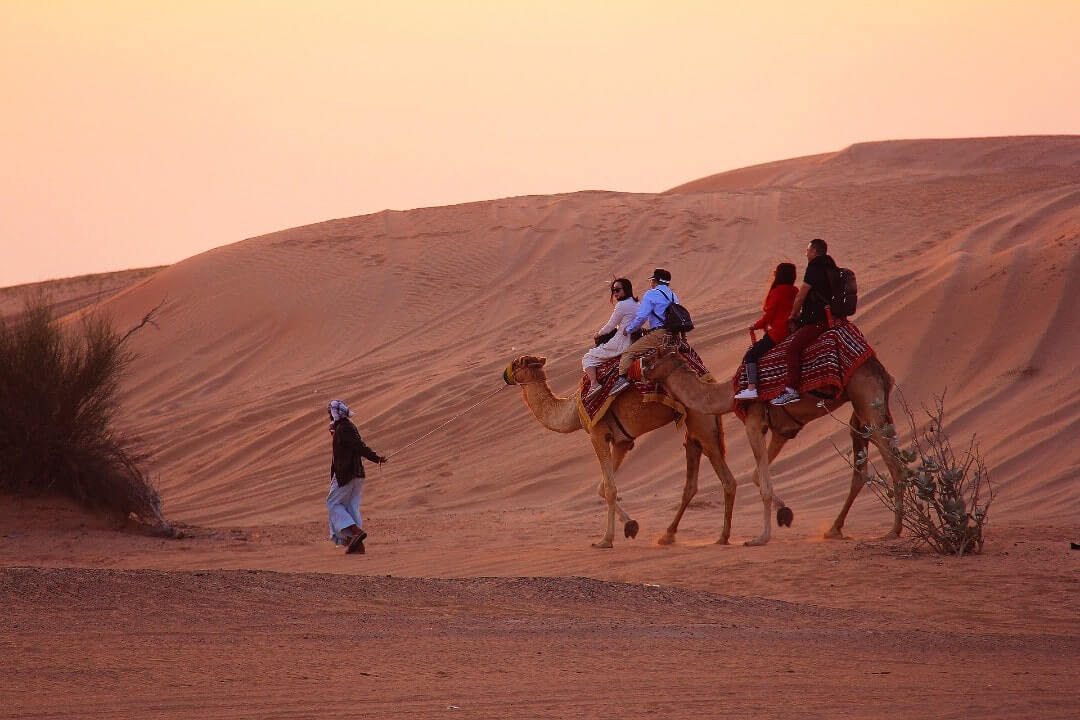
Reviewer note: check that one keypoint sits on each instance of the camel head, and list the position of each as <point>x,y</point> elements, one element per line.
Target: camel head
<point>662,363</point>
<point>527,368</point>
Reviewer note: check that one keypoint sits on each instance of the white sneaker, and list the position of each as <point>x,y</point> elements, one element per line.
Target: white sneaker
<point>747,394</point>
<point>787,397</point>
<point>621,384</point>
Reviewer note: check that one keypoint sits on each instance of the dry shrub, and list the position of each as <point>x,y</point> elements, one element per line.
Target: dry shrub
<point>946,496</point>
<point>58,392</point>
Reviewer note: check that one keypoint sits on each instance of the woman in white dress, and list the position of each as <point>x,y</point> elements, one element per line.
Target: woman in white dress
<point>626,306</point>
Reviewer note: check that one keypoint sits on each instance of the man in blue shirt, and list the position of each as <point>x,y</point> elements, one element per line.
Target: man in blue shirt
<point>651,310</point>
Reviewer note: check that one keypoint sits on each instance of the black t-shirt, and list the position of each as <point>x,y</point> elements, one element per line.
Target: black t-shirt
<point>817,277</point>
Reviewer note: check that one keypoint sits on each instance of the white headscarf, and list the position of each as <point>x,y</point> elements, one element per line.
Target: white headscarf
<point>338,410</point>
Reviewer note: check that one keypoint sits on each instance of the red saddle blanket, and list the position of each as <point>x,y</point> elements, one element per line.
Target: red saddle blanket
<point>827,365</point>
<point>592,407</point>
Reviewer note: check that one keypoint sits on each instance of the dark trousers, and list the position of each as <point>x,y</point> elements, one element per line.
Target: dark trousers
<point>798,342</point>
<point>755,353</point>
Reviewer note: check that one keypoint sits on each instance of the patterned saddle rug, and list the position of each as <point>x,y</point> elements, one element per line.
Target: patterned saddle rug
<point>827,365</point>
<point>592,408</point>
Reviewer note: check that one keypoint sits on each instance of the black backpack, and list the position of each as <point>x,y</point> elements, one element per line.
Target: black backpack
<point>676,317</point>
<point>845,291</point>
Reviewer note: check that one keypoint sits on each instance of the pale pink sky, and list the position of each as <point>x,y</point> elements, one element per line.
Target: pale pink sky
<point>140,133</point>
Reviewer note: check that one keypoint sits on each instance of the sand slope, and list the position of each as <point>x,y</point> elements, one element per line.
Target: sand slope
<point>967,257</point>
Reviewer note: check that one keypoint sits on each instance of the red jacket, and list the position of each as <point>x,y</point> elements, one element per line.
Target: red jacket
<point>777,310</point>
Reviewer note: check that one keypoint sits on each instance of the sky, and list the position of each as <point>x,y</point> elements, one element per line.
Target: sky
<point>139,133</point>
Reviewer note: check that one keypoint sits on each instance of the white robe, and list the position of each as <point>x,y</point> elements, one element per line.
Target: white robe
<point>624,313</point>
<point>343,505</point>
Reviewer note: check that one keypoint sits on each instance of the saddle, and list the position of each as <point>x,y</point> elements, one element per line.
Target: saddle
<point>827,365</point>
<point>592,407</point>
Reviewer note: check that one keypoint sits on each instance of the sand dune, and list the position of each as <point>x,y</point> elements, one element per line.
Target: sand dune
<point>968,259</point>
<point>969,276</point>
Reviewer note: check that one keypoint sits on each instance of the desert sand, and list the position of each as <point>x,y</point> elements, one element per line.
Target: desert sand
<point>480,594</point>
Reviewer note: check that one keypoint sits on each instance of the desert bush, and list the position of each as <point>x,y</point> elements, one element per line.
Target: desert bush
<point>58,407</point>
<point>946,496</point>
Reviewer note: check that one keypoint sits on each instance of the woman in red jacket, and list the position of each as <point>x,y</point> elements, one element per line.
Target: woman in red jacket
<point>774,320</point>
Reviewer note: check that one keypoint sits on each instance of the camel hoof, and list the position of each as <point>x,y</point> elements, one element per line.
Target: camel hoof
<point>891,535</point>
<point>834,534</point>
<point>631,529</point>
<point>784,516</point>
<point>602,544</point>
<point>723,541</point>
<point>756,542</point>
<point>666,539</point>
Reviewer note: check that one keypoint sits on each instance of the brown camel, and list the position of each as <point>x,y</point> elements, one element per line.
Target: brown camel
<point>627,418</point>
<point>867,390</point>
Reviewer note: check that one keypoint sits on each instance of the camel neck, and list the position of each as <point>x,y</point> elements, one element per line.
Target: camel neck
<point>708,397</point>
<point>554,413</point>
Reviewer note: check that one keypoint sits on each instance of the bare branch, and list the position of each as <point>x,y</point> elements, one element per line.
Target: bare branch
<point>148,319</point>
<point>941,491</point>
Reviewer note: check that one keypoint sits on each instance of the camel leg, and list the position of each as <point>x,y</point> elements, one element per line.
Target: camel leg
<point>618,454</point>
<point>859,444</point>
<point>603,454</point>
<point>756,429</point>
<point>871,404</point>
<point>878,416</point>
<point>714,450</point>
<point>887,446</point>
<point>693,462</point>
<point>776,444</point>
<point>784,516</point>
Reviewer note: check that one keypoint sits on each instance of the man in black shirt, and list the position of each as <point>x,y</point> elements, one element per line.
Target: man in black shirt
<point>807,314</point>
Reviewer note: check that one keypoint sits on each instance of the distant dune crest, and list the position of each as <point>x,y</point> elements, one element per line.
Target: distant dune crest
<point>887,159</point>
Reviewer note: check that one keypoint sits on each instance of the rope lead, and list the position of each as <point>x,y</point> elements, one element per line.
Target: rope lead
<point>476,404</point>
<point>447,422</point>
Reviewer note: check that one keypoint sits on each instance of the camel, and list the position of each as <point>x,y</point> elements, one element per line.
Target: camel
<point>867,390</point>
<point>627,418</point>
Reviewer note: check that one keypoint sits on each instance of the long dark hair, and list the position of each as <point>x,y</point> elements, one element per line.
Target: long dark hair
<point>784,274</point>
<point>627,286</point>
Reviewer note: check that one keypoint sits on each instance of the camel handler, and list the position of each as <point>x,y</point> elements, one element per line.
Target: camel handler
<point>651,309</point>
<point>347,479</point>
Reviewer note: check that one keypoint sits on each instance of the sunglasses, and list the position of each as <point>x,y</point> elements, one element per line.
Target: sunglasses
<point>616,288</point>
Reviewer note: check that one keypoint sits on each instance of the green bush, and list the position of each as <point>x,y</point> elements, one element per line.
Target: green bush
<point>58,395</point>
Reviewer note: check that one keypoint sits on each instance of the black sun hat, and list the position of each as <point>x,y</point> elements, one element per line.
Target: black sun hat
<point>661,275</point>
